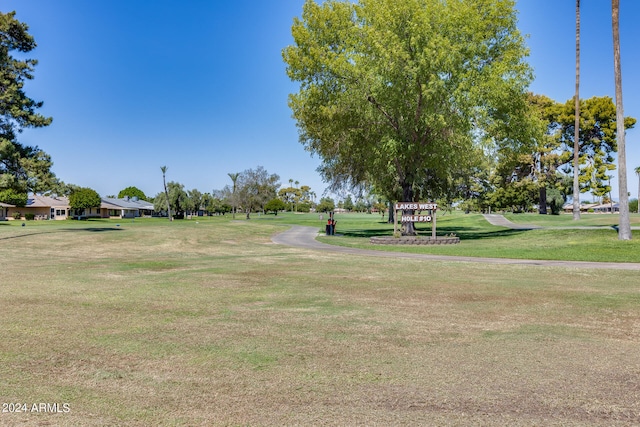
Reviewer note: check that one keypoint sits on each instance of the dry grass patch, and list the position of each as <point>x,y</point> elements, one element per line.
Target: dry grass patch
<point>211,324</point>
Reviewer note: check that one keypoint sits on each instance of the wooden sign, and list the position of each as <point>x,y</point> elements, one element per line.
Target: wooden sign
<point>416,206</point>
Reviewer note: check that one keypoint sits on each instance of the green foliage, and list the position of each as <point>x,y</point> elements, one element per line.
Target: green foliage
<point>326,205</point>
<point>178,200</point>
<point>555,200</point>
<point>348,203</point>
<point>13,197</point>
<point>195,200</point>
<point>254,188</point>
<point>633,205</point>
<point>84,198</point>
<point>22,168</point>
<point>215,205</point>
<point>394,94</point>
<point>597,140</point>
<point>132,192</point>
<point>275,205</point>
<point>304,207</point>
<point>516,196</point>
<point>547,158</point>
<point>289,194</point>
<point>29,216</point>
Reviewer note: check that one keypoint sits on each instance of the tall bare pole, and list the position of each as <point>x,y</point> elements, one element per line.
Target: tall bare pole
<point>166,193</point>
<point>576,138</point>
<point>624,228</point>
<point>637,171</point>
<point>234,179</point>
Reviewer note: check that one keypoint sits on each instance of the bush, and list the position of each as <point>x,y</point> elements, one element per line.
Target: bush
<point>303,207</point>
<point>29,216</point>
<point>17,215</point>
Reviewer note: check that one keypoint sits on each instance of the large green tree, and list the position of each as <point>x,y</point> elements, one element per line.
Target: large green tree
<point>551,151</point>
<point>597,139</point>
<point>84,198</point>
<point>539,160</point>
<point>255,188</point>
<point>396,93</point>
<point>131,192</point>
<point>175,199</point>
<point>22,168</point>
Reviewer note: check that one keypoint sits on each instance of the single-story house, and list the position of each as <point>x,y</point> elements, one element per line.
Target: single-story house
<point>125,208</point>
<point>42,207</point>
<point>584,207</point>
<point>4,210</point>
<point>593,207</point>
<point>607,208</point>
<point>47,207</point>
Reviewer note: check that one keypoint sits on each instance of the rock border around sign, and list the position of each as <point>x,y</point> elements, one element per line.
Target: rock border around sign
<point>414,240</point>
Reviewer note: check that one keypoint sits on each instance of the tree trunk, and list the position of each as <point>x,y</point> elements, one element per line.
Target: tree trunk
<point>408,228</point>
<point>543,201</point>
<point>166,193</point>
<point>624,229</point>
<point>576,138</point>
<point>392,212</point>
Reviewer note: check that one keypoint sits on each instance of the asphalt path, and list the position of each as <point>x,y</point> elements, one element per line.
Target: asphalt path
<point>304,237</point>
<point>501,221</point>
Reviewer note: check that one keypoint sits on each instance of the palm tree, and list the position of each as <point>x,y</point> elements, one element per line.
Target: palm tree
<point>166,193</point>
<point>234,179</point>
<point>624,229</point>
<point>637,171</point>
<point>576,141</point>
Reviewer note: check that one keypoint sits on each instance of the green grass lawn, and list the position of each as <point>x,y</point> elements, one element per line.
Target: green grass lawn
<point>566,220</point>
<point>208,322</point>
<point>481,239</point>
<point>477,237</point>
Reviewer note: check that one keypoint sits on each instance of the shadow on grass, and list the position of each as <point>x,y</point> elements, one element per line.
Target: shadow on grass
<point>465,233</point>
<point>64,230</point>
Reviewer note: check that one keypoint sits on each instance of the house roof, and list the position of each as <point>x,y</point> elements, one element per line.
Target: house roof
<point>127,204</point>
<point>105,204</point>
<point>6,205</point>
<point>37,201</point>
<point>583,206</point>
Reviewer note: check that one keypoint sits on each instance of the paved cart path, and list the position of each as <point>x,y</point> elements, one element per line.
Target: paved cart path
<point>501,221</point>
<point>305,237</point>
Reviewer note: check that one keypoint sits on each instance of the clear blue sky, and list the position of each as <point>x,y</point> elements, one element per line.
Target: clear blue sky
<point>200,85</point>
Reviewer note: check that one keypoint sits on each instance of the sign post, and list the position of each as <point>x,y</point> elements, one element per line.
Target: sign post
<point>416,206</point>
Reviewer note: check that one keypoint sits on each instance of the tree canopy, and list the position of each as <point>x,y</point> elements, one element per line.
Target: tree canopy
<point>399,94</point>
<point>547,163</point>
<point>255,188</point>
<point>132,191</point>
<point>84,198</point>
<point>22,168</point>
<point>178,200</point>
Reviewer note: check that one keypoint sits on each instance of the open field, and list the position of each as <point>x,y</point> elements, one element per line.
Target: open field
<point>210,323</point>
